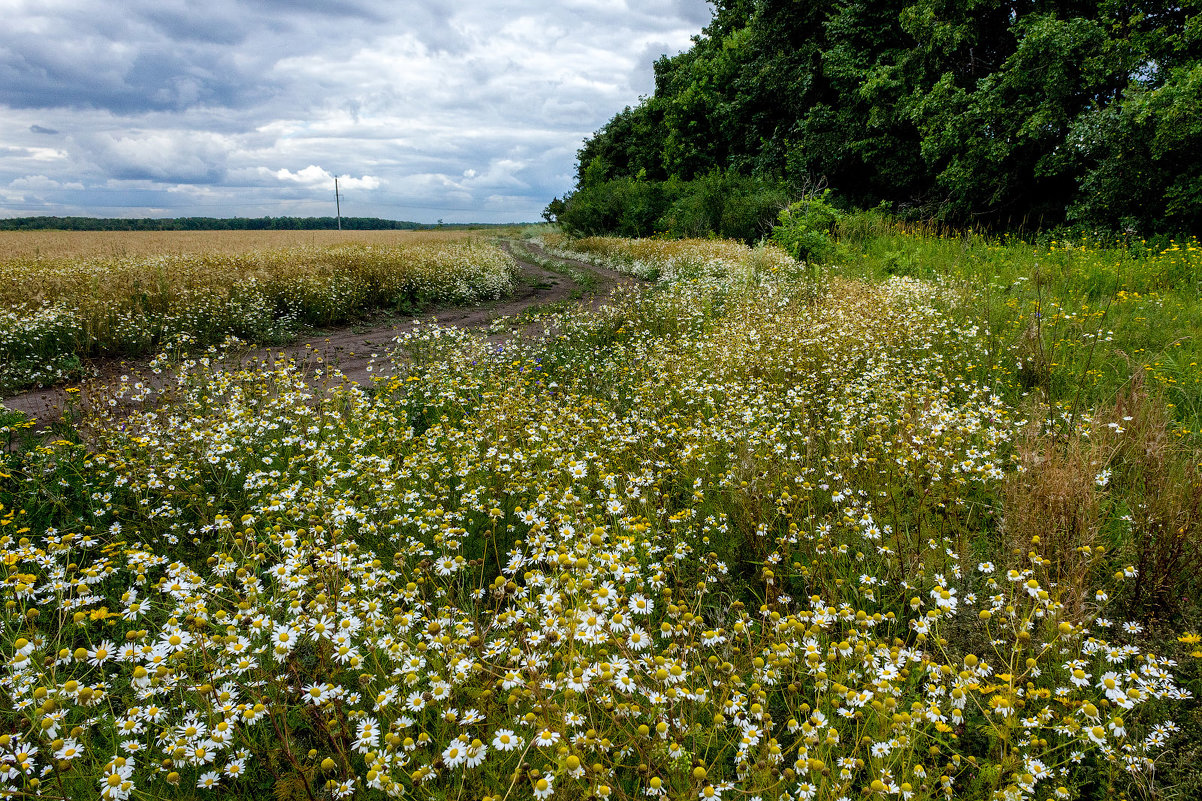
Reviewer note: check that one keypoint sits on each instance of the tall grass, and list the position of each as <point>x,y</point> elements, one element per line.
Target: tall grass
<point>715,540</point>
<point>1073,320</point>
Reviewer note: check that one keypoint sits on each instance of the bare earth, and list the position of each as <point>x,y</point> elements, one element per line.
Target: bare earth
<point>352,348</point>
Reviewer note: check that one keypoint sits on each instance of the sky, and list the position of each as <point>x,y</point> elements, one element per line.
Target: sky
<point>469,111</point>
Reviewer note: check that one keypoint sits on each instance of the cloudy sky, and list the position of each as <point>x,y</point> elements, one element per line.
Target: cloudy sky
<point>464,111</point>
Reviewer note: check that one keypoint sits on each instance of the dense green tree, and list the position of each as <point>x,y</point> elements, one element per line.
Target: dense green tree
<point>725,204</point>
<point>629,145</point>
<point>989,112</point>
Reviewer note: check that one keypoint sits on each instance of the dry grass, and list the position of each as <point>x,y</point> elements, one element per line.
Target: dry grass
<point>1122,480</point>
<point>1163,484</point>
<point>84,244</point>
<point>1053,509</point>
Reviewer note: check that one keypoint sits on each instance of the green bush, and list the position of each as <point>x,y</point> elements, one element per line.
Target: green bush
<point>625,206</point>
<point>858,228</point>
<point>727,206</point>
<point>723,205</point>
<point>806,228</point>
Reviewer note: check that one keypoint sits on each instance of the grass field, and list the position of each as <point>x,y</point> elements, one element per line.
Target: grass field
<point>754,529</point>
<point>1071,320</point>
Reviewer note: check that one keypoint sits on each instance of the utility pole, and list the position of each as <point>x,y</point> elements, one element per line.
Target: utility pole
<point>337,203</point>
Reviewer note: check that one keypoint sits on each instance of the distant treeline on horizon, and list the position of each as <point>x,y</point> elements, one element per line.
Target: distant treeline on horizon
<point>222,224</point>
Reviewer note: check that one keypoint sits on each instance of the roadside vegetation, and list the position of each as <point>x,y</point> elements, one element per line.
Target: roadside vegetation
<point>885,526</point>
<point>585,280</point>
<point>1072,320</point>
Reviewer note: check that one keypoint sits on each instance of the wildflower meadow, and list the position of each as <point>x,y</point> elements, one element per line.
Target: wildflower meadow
<point>753,530</point>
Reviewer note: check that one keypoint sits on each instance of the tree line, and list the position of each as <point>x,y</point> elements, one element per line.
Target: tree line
<point>204,224</point>
<point>988,113</point>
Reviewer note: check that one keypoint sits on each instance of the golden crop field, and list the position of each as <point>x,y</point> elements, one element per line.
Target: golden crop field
<point>87,244</point>
<point>128,294</point>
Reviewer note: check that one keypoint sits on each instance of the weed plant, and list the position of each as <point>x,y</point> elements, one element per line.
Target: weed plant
<point>585,279</point>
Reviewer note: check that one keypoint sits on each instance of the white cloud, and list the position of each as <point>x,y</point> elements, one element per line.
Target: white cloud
<point>429,109</point>
<point>40,183</point>
<point>168,155</point>
<point>314,175</point>
<point>45,153</point>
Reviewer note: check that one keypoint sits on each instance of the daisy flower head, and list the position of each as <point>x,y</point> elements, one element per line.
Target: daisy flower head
<point>506,740</point>
<point>546,738</point>
<point>455,753</point>
<point>476,753</point>
<point>368,736</point>
<point>543,786</point>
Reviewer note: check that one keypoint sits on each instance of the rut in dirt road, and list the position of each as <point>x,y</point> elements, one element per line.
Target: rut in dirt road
<point>353,349</point>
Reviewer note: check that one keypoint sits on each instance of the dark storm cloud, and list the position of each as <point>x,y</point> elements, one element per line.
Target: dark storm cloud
<point>337,9</point>
<point>152,73</point>
<point>196,23</point>
<point>424,109</point>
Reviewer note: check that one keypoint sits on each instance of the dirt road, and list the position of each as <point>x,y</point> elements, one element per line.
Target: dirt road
<point>351,348</point>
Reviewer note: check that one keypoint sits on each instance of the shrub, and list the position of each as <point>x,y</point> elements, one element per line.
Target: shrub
<point>721,205</point>
<point>626,206</point>
<point>725,205</point>
<point>805,229</point>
